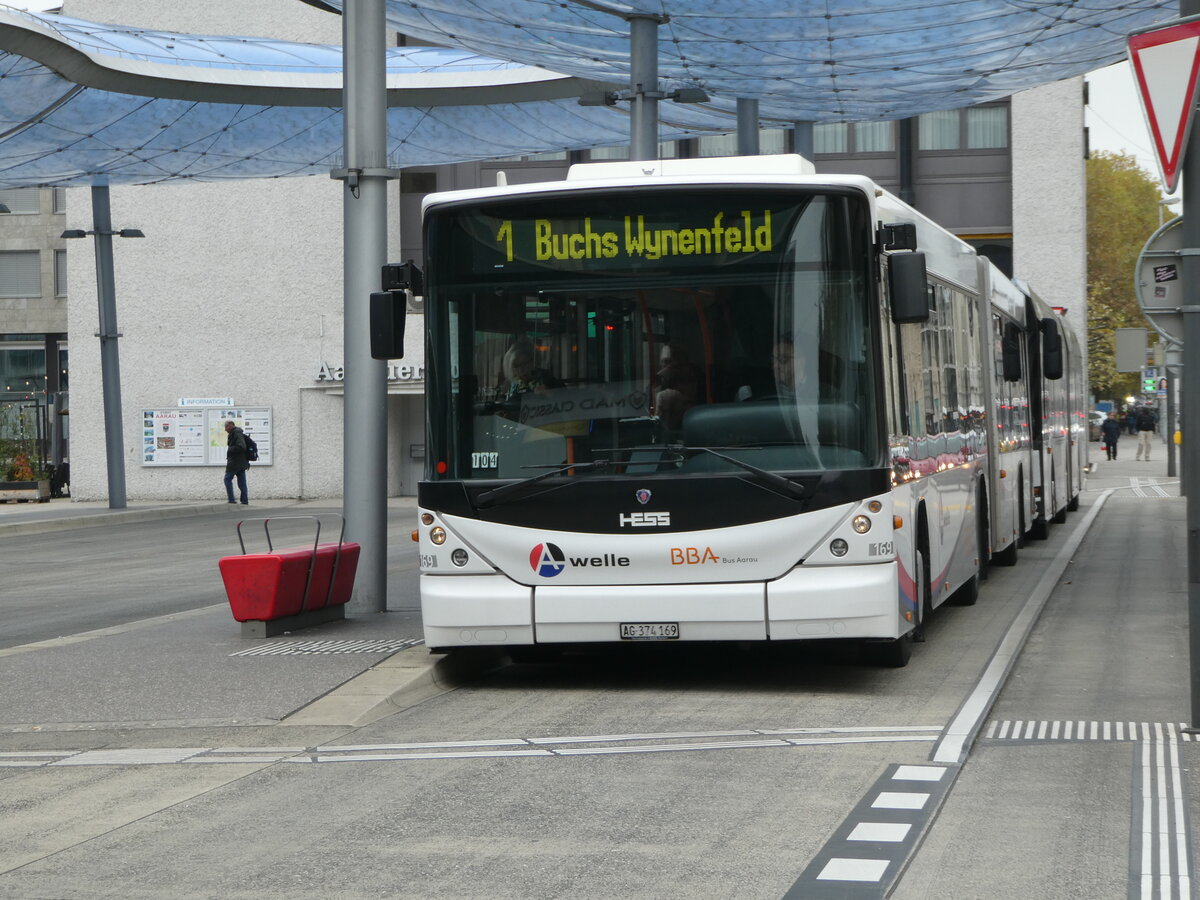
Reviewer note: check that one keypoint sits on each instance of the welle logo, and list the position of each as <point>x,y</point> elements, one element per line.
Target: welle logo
<point>547,560</point>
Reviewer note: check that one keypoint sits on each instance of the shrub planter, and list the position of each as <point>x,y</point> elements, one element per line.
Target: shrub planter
<point>25,491</point>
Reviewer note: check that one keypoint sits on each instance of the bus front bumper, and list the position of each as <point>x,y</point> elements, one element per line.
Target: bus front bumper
<point>806,604</point>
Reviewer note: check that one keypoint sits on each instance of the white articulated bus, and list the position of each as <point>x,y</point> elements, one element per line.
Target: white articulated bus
<point>716,400</point>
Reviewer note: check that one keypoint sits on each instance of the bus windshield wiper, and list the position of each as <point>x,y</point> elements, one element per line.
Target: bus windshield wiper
<point>495,495</point>
<point>772,480</point>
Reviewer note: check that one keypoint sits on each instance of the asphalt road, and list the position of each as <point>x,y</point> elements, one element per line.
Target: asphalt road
<point>69,582</point>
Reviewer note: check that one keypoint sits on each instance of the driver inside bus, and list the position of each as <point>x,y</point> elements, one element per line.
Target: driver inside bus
<point>789,370</point>
<point>523,376</point>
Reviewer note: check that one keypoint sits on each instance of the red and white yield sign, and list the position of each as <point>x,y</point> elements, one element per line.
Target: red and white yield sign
<point>1165,63</point>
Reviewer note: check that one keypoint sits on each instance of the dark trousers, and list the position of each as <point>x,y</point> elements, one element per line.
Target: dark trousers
<point>241,480</point>
<point>1111,449</point>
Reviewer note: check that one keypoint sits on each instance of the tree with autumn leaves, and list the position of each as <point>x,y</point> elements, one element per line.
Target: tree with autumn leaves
<point>1123,211</point>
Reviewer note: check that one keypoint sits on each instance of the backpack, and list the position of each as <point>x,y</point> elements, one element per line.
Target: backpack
<point>251,448</point>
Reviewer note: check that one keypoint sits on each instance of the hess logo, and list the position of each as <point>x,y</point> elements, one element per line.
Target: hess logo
<point>547,560</point>
<point>644,519</point>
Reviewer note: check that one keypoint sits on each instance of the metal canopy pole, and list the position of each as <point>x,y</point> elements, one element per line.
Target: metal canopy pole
<point>110,363</point>
<point>364,431</point>
<point>1190,271</point>
<point>747,127</point>
<point>1169,368</point>
<point>643,84</point>
<point>802,139</point>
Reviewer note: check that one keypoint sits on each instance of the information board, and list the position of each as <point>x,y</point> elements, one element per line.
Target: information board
<point>180,436</point>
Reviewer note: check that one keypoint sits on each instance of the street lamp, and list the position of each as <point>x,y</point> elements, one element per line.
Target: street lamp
<point>110,365</point>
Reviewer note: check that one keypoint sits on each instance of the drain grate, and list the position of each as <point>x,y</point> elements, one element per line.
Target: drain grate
<point>296,647</point>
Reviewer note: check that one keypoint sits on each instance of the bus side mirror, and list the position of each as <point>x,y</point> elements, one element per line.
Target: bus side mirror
<point>909,287</point>
<point>389,310</point>
<point>1010,350</point>
<point>1052,353</point>
<point>403,276</point>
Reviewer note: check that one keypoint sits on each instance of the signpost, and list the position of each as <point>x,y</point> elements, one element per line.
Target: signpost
<point>1166,62</point>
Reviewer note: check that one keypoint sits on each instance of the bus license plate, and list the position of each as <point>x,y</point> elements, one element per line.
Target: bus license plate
<point>649,631</point>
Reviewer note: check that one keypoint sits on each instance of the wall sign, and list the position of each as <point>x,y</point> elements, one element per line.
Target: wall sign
<point>196,437</point>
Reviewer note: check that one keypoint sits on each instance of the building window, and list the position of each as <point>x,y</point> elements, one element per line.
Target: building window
<point>938,130</point>
<point>832,137</point>
<point>22,369</point>
<point>874,137</point>
<point>60,273</point>
<point>861,137</point>
<point>60,200</point>
<point>551,156</point>
<point>666,150</point>
<point>20,273</point>
<point>987,127</point>
<point>22,201</point>
<point>770,140</point>
<point>977,128</point>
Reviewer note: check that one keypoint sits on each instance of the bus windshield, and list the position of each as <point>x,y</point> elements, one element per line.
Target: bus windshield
<point>638,328</point>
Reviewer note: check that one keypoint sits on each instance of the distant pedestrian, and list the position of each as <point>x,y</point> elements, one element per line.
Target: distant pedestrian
<point>1110,433</point>
<point>236,462</point>
<point>1147,422</point>
<point>1131,420</point>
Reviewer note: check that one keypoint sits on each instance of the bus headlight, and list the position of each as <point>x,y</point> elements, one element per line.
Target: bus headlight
<point>438,535</point>
<point>861,524</point>
<point>459,557</point>
<point>839,547</point>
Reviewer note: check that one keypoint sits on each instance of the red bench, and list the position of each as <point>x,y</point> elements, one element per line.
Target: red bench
<point>300,584</point>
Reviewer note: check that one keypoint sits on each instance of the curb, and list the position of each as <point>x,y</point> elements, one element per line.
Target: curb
<point>399,682</point>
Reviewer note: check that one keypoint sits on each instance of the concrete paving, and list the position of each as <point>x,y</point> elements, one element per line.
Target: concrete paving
<point>1042,811</point>
<point>1031,817</point>
<point>193,666</point>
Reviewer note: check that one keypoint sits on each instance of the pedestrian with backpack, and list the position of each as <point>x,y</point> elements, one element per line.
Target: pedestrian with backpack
<point>237,461</point>
<point>1110,433</point>
<point>1147,422</point>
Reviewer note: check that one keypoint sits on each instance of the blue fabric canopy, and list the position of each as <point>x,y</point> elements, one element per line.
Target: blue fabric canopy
<point>81,101</point>
<point>812,60</point>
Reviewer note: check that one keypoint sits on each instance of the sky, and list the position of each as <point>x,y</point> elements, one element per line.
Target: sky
<point>1114,116</point>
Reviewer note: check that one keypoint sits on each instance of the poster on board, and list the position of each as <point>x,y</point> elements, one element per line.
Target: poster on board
<point>181,436</point>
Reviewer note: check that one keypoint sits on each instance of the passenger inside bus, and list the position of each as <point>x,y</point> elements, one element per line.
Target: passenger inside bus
<point>678,386</point>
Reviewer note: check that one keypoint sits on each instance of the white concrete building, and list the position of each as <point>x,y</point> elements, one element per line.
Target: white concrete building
<point>235,292</point>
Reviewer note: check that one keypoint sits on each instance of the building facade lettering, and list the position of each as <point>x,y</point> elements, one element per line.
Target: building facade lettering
<point>395,372</point>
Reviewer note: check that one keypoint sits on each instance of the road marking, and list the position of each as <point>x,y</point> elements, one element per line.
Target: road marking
<point>494,748</point>
<point>291,648</point>
<point>867,852</point>
<point>840,869</point>
<point>1074,731</point>
<point>1160,856</point>
<point>1160,851</point>
<point>880,831</point>
<point>1140,486</point>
